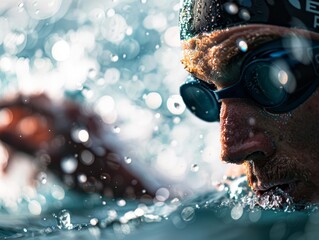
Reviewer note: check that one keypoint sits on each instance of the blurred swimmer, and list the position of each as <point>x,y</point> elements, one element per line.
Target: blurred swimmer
<point>37,133</point>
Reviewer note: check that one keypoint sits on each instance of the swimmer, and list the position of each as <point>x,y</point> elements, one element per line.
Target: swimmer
<point>254,67</point>
<point>38,134</point>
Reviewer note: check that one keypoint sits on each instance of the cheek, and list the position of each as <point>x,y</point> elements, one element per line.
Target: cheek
<point>303,128</point>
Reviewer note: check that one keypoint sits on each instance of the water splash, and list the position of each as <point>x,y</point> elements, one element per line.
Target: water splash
<point>64,220</point>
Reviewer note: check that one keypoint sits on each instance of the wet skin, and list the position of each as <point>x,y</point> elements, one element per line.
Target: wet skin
<point>275,149</point>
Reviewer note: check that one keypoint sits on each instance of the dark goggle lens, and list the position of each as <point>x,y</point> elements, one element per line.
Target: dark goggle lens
<point>200,101</point>
<point>267,83</point>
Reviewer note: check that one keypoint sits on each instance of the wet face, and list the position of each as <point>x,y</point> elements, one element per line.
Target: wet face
<point>277,150</point>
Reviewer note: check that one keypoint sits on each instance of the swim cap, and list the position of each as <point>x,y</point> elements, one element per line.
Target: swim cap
<point>198,16</point>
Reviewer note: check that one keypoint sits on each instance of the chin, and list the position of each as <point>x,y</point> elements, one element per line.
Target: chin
<point>304,192</point>
<point>288,177</point>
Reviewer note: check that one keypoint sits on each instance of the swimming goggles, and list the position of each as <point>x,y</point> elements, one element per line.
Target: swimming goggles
<point>276,78</point>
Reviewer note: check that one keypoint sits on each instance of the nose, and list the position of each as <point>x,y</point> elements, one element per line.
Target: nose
<point>243,132</point>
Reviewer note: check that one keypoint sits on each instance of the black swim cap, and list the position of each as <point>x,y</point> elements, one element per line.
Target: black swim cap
<point>198,16</point>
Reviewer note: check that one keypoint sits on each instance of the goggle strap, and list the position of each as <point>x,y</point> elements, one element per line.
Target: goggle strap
<point>235,91</point>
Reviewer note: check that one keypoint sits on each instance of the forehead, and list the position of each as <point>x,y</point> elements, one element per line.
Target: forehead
<point>216,57</point>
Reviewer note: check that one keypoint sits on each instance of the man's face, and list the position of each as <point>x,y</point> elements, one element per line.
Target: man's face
<point>275,149</point>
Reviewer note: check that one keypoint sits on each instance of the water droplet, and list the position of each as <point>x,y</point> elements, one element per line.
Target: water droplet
<point>87,157</point>
<point>112,75</point>
<point>121,203</point>
<point>69,164</point>
<point>117,129</point>
<point>231,8</point>
<point>80,135</point>
<point>21,6</point>
<point>188,214</point>
<point>244,14</point>
<point>176,105</point>
<point>94,221</point>
<point>57,192</point>
<point>194,168</point>
<point>25,230</point>
<point>128,160</point>
<point>35,207</point>
<point>114,58</point>
<point>242,45</point>
<point>92,73</point>
<point>236,212</point>
<point>162,194</point>
<point>82,178</point>
<point>252,121</point>
<point>61,51</point>
<point>42,177</point>
<point>176,120</point>
<point>139,212</point>
<point>143,1</point>
<point>153,100</point>
<point>110,12</point>
<point>64,220</point>
<point>129,31</point>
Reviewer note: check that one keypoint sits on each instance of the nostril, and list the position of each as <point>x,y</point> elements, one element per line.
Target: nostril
<point>241,149</point>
